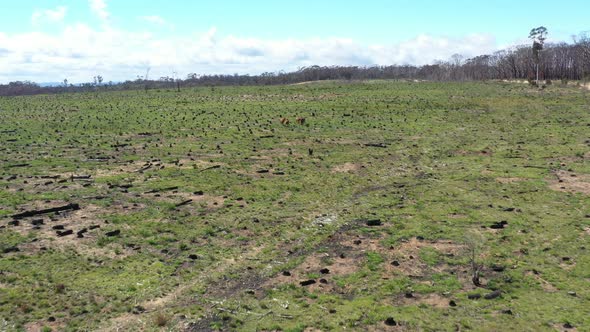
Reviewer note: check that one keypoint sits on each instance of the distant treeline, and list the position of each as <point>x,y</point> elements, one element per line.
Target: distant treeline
<point>557,62</point>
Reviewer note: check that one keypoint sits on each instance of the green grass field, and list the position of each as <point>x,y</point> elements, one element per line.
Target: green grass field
<point>199,210</point>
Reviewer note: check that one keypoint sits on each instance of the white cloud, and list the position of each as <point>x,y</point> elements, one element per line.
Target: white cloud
<point>99,7</point>
<point>49,15</point>
<point>79,52</point>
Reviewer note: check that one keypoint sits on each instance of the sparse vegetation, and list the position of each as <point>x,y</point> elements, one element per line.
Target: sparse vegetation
<point>197,209</point>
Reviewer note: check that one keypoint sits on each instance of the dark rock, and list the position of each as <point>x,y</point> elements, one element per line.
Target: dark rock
<point>390,321</point>
<point>10,249</point>
<point>568,326</point>
<point>357,242</point>
<point>325,271</point>
<point>420,238</point>
<point>474,296</point>
<point>499,225</point>
<point>498,268</point>
<point>395,263</point>
<point>14,223</point>
<point>81,232</point>
<point>507,312</point>
<point>374,222</point>
<point>113,233</point>
<point>307,282</point>
<point>65,233</point>
<point>452,303</point>
<point>323,281</point>
<point>286,273</point>
<point>193,256</point>
<point>37,222</point>
<point>57,227</point>
<point>409,295</point>
<point>493,295</point>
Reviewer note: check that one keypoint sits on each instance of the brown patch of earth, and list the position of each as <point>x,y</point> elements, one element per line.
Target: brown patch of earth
<point>570,182</point>
<point>510,180</point>
<point>86,219</point>
<point>38,326</point>
<point>347,168</point>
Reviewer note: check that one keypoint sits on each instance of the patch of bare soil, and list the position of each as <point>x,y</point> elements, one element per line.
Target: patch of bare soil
<point>44,183</point>
<point>433,300</point>
<point>570,182</point>
<point>137,167</point>
<point>346,254</point>
<point>75,230</point>
<point>484,152</point>
<point>209,202</point>
<point>563,328</point>
<point>347,168</point>
<point>510,180</point>
<point>38,326</point>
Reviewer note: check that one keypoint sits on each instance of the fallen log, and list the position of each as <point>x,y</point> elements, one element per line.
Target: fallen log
<point>188,201</point>
<point>376,145</point>
<point>80,177</point>
<point>212,167</point>
<point>160,190</point>
<point>144,168</point>
<point>18,165</point>
<point>71,206</point>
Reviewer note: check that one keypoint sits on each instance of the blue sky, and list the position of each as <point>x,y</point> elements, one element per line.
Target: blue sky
<point>48,40</point>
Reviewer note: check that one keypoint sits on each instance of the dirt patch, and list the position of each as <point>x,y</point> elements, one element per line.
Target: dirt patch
<point>347,168</point>
<point>562,328</point>
<point>509,180</point>
<point>86,226</point>
<point>209,202</point>
<point>483,152</point>
<point>433,300</point>
<point>570,182</point>
<point>320,266</point>
<point>346,253</point>
<point>38,326</point>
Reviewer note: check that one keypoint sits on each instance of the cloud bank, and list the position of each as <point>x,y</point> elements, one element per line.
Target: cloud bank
<point>79,51</point>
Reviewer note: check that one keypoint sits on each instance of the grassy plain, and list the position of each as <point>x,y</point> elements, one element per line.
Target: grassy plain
<point>202,211</point>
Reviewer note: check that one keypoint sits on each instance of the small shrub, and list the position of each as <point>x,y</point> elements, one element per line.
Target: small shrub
<point>60,288</point>
<point>161,320</point>
<point>564,81</point>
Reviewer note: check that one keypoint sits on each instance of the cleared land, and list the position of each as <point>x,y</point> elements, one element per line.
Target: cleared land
<point>199,210</point>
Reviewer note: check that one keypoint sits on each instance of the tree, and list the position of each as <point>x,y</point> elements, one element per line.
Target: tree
<point>538,36</point>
